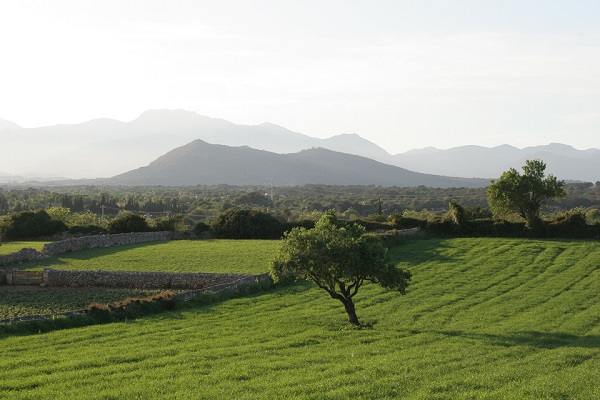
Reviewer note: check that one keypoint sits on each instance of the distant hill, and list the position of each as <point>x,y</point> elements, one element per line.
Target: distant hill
<point>8,126</point>
<point>201,163</point>
<point>107,147</point>
<point>565,162</point>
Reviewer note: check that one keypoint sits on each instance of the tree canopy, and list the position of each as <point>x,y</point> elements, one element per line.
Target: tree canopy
<point>338,259</point>
<point>524,195</point>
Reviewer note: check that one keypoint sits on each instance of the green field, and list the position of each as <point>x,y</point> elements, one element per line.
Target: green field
<point>215,256</point>
<point>11,247</point>
<point>484,318</point>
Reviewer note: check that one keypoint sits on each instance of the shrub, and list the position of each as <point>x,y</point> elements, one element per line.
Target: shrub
<point>128,222</point>
<point>246,224</point>
<point>29,224</point>
<point>173,223</point>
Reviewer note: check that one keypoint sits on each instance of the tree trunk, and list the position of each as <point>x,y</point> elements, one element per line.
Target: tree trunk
<point>352,318</point>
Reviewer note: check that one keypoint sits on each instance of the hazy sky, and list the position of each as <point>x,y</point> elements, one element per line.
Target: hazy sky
<point>404,74</point>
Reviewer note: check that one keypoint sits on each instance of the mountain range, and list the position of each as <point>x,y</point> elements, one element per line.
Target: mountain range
<point>107,147</point>
<point>209,164</point>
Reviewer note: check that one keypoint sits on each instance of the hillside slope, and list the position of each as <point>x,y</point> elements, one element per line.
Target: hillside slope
<point>201,163</point>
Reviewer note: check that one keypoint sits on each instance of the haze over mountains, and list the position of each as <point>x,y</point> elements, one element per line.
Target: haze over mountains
<point>106,147</point>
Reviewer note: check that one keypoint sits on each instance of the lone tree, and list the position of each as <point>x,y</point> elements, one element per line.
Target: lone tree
<point>338,259</point>
<point>524,195</point>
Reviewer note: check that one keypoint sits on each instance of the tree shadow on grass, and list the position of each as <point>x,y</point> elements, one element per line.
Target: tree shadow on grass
<point>546,340</point>
<point>417,251</point>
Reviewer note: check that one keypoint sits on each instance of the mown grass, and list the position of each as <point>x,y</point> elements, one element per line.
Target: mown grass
<point>484,318</point>
<point>12,247</point>
<point>214,256</point>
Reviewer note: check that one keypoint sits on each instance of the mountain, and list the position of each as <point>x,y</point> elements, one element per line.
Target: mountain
<point>105,147</point>
<point>563,161</point>
<point>201,163</point>
<point>8,126</point>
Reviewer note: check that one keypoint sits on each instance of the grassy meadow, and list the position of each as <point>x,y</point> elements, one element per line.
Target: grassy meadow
<point>215,256</point>
<point>483,319</point>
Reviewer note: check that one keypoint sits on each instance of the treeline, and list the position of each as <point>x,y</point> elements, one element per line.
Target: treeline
<point>455,221</point>
<point>205,203</point>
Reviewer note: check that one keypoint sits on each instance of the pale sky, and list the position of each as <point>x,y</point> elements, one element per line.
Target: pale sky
<point>403,74</point>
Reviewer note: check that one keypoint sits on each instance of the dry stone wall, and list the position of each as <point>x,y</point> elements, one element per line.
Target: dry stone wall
<point>88,242</point>
<point>119,239</point>
<point>139,280</point>
<point>25,254</point>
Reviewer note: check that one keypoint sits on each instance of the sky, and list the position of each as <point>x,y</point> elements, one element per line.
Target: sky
<point>403,74</point>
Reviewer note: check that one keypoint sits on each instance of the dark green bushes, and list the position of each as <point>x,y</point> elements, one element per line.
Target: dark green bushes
<point>128,222</point>
<point>246,224</point>
<point>29,224</point>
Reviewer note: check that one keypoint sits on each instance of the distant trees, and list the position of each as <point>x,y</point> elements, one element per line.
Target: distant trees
<point>524,195</point>
<point>338,259</point>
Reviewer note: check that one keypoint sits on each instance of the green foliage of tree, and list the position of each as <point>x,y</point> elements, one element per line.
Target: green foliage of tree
<point>523,195</point>
<point>246,224</point>
<point>338,259</point>
<point>127,222</point>
<point>174,223</point>
<point>29,224</point>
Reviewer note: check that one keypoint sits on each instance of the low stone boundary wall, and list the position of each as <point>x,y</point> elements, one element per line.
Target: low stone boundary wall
<point>25,254</point>
<point>187,296</point>
<point>246,280</point>
<point>118,239</point>
<point>88,242</point>
<point>136,280</point>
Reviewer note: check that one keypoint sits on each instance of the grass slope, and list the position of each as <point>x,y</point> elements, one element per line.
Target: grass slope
<point>484,318</point>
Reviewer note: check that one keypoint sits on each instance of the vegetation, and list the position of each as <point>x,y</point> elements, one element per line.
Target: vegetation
<point>128,222</point>
<point>16,302</point>
<point>12,247</point>
<point>338,259</point>
<point>525,194</point>
<point>204,203</point>
<point>483,318</point>
<point>29,225</point>
<point>215,256</point>
<point>246,224</point>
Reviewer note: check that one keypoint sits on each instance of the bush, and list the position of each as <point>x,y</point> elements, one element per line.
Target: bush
<point>569,225</point>
<point>174,223</point>
<point>247,224</point>
<point>128,222</point>
<point>25,225</point>
<point>201,228</point>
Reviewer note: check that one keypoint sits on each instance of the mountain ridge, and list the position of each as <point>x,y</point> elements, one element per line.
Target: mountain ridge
<point>106,147</point>
<point>202,163</point>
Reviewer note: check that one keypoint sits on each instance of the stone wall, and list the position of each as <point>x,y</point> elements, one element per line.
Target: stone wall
<point>89,242</point>
<point>137,280</point>
<point>95,241</point>
<point>25,254</point>
<point>186,296</point>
